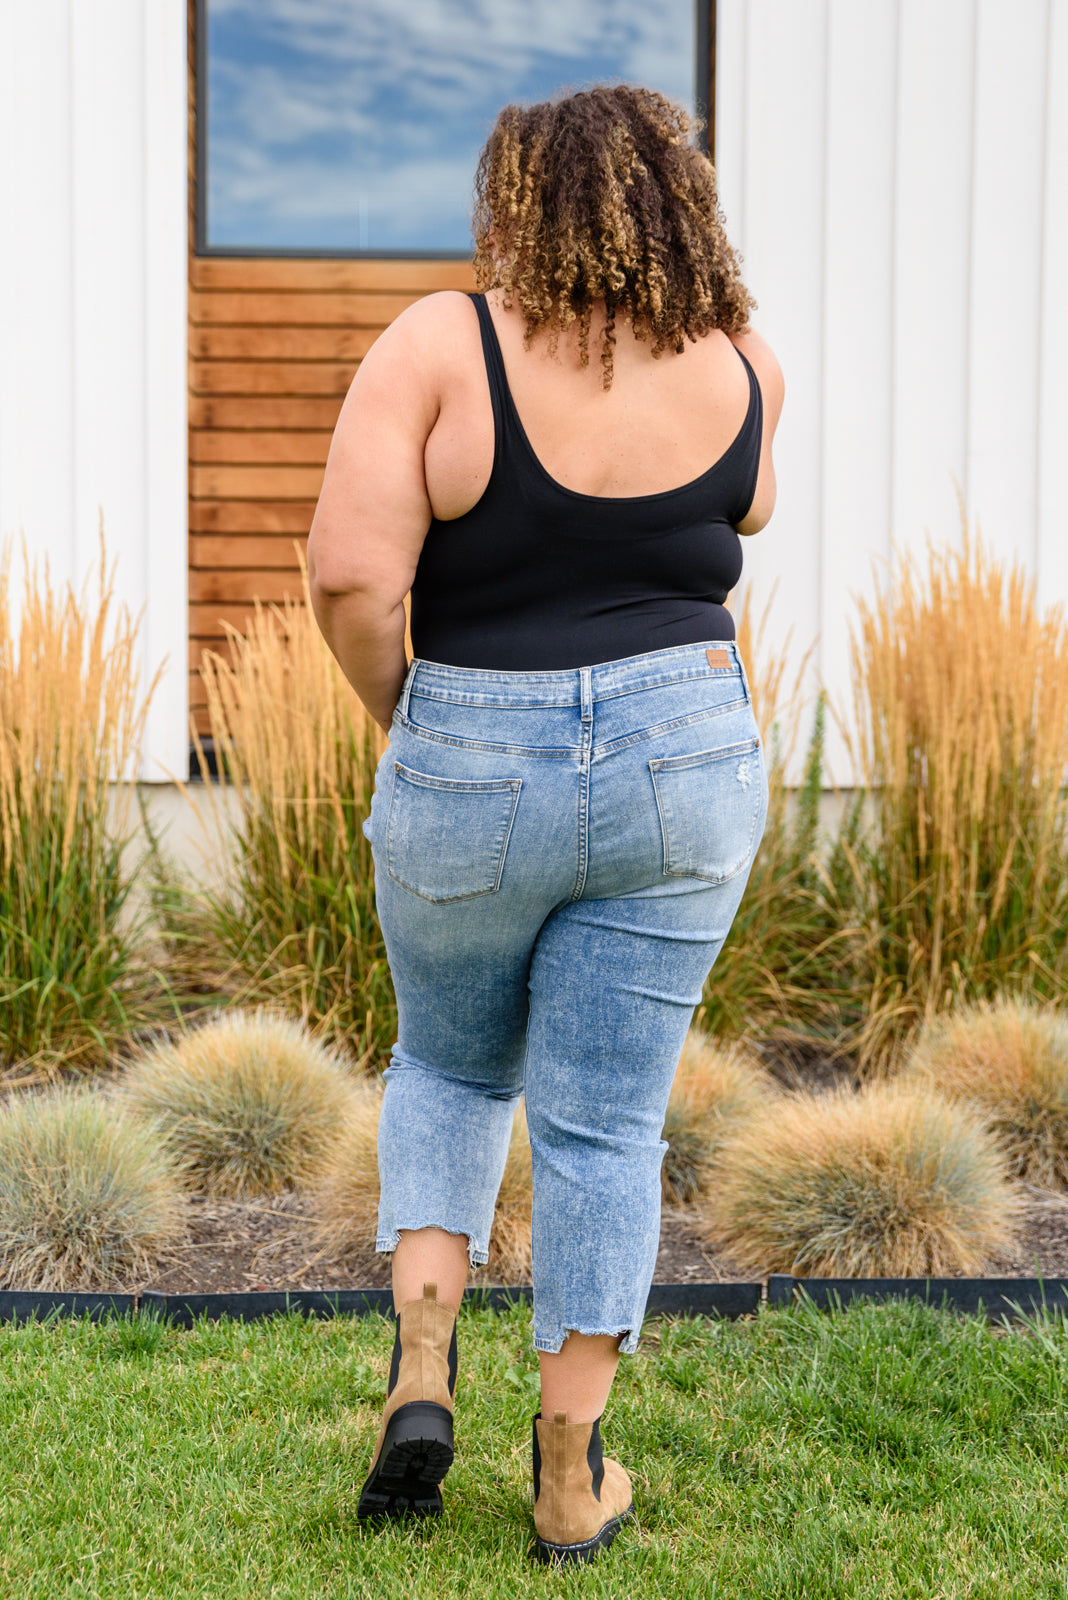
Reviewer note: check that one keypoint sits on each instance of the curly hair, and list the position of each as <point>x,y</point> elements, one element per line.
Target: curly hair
<point>601,195</point>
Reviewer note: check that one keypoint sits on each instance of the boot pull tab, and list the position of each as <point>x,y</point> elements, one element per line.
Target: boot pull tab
<point>430,1291</point>
<point>560,1418</point>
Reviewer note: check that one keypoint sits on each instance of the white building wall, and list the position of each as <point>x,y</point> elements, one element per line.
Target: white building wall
<point>896,177</point>
<point>93,206</point>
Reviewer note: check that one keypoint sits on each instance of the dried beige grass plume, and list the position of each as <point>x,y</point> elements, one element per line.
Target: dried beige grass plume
<point>509,1246</point>
<point>74,980</point>
<point>342,1201</point>
<point>960,686</point>
<point>295,923</point>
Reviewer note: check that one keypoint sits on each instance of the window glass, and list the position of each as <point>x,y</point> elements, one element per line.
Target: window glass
<point>355,125</point>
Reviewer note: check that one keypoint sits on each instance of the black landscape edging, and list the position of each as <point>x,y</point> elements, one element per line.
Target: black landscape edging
<point>184,1309</point>
<point>19,1305</point>
<point>997,1297</point>
<point>703,1299</point>
<point>665,1299</point>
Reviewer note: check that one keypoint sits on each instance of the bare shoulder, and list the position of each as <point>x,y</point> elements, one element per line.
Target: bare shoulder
<point>762,359</point>
<point>411,360</point>
<point>429,327</point>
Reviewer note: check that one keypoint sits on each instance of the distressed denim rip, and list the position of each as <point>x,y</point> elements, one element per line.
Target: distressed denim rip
<point>558,859</point>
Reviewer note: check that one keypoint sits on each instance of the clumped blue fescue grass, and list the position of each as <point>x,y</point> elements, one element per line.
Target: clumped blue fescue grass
<point>1009,1061</point>
<point>892,1182</point>
<point>88,1196</point>
<point>250,1103</point>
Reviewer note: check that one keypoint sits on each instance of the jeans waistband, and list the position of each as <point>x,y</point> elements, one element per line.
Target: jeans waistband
<point>574,686</point>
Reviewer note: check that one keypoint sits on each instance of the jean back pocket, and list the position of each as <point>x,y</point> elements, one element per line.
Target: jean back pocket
<point>447,838</point>
<point>710,806</point>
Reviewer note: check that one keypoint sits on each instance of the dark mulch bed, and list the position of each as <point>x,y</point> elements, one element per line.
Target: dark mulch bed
<point>256,1245</point>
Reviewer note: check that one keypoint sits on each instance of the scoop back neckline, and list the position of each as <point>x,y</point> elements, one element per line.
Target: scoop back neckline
<point>621,499</point>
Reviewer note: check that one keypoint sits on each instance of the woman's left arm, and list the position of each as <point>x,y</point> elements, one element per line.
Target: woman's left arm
<point>762,359</point>
<point>374,512</point>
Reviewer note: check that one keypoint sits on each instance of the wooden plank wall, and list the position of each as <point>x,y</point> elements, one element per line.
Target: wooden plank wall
<point>273,346</point>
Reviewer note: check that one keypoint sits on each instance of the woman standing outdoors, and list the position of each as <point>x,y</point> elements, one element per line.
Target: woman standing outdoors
<point>558,469</point>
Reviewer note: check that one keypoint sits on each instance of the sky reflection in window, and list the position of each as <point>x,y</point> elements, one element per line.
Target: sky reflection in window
<point>356,124</point>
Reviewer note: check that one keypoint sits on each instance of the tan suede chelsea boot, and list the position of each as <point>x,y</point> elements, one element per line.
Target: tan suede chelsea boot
<point>580,1499</point>
<point>415,1445</point>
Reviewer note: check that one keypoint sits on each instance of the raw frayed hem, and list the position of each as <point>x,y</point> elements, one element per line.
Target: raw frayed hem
<point>628,1344</point>
<point>386,1243</point>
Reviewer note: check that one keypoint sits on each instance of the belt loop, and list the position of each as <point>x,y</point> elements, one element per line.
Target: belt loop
<point>740,664</point>
<point>586,693</point>
<point>406,691</point>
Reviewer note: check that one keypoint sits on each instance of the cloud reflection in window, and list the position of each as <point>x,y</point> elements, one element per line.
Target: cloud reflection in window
<point>356,124</point>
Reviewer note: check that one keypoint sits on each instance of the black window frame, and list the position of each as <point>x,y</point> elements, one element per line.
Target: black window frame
<point>704,102</point>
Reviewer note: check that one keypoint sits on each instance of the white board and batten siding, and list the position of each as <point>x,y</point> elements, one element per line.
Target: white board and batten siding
<point>93,266</point>
<point>896,177</point>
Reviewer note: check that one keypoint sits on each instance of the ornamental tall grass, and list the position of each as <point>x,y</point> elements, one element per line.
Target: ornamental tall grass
<point>961,699</point>
<point>787,963</point>
<point>716,1087</point>
<point>73,978</point>
<point>294,922</point>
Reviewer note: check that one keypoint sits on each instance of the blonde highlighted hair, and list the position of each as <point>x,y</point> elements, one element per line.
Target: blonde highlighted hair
<point>601,196</point>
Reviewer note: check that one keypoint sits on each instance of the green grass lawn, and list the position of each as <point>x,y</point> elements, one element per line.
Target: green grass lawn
<point>885,1451</point>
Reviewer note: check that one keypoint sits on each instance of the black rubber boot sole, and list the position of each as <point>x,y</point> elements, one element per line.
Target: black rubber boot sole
<point>416,1454</point>
<point>557,1555</point>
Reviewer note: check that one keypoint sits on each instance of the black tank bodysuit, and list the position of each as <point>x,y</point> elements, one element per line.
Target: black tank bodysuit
<point>536,577</point>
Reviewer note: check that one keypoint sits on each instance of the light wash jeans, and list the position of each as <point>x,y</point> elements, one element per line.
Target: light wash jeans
<point>558,859</point>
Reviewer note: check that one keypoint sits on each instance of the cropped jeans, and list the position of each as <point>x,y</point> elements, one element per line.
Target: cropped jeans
<point>558,859</point>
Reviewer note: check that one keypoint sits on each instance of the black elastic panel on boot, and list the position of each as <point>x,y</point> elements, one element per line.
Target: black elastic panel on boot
<point>395,1361</point>
<point>537,1458</point>
<point>595,1458</point>
<point>452,1361</point>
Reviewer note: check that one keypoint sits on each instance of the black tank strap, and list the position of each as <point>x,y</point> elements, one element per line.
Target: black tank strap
<point>500,394</point>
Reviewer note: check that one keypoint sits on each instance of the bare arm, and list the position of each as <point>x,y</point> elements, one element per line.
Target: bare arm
<point>373,511</point>
<point>761,358</point>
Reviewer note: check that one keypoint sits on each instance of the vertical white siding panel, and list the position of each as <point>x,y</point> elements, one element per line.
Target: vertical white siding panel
<point>785,136</point>
<point>109,273</point>
<point>1005,273</point>
<point>931,266</point>
<point>36,415</point>
<point>10,513</point>
<point>857,345</point>
<point>730,115</point>
<point>92,309</point>
<point>165,498</point>
<point>1052,464</point>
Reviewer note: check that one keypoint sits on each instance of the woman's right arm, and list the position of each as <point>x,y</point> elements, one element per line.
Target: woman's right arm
<point>761,358</point>
<point>374,512</point>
